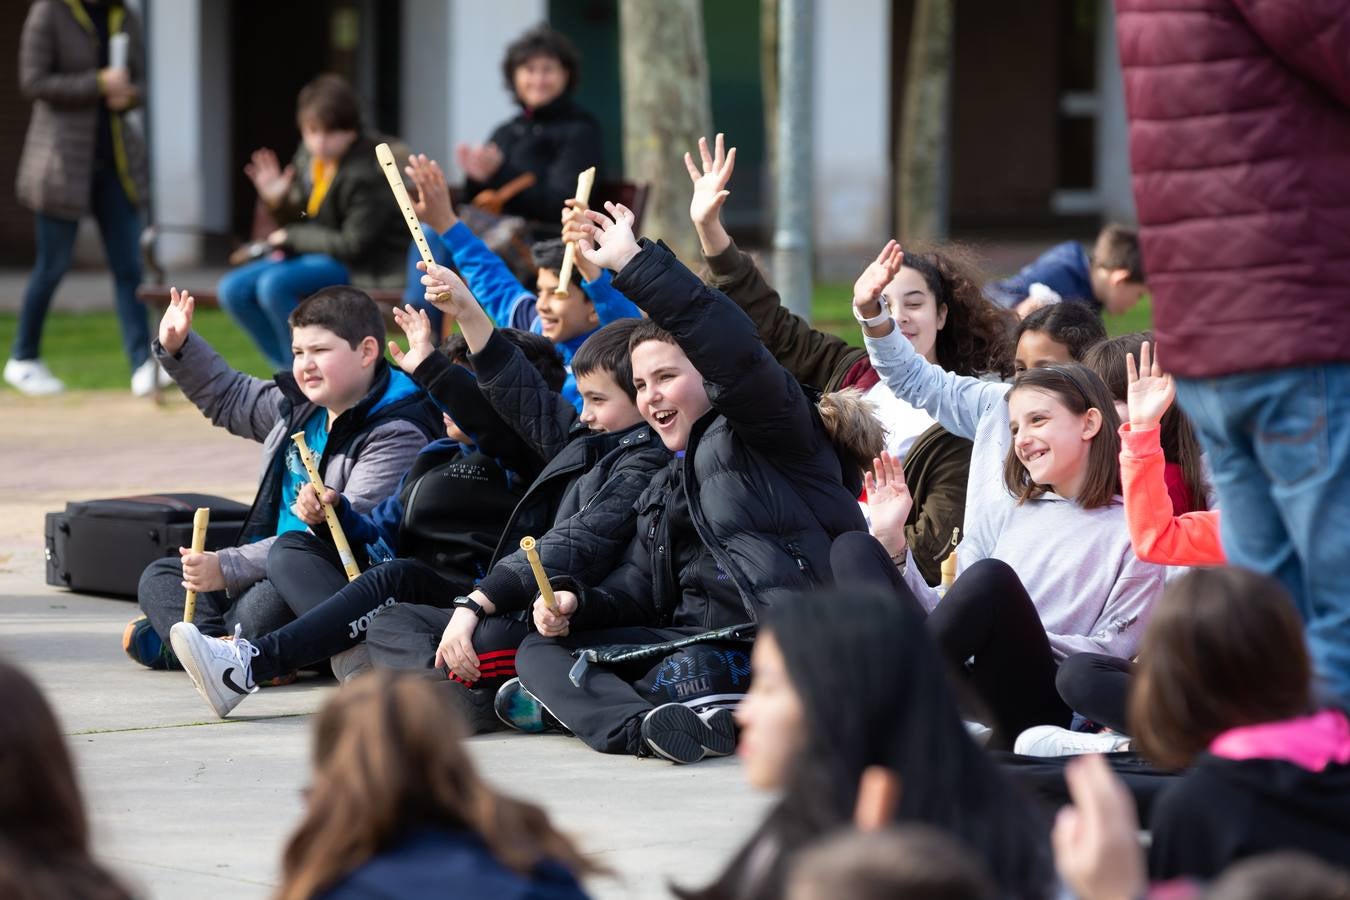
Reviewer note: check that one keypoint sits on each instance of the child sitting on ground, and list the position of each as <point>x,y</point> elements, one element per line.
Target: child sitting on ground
<point>744,514</point>
<point>591,300</point>
<point>1059,333</point>
<point>1028,601</point>
<point>338,223</point>
<point>603,459</point>
<point>218,668</point>
<point>445,519</point>
<point>1111,279</point>
<point>396,809</point>
<point>364,421</point>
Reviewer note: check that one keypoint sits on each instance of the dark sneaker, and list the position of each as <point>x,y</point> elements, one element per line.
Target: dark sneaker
<point>144,646</point>
<point>521,711</point>
<point>677,733</point>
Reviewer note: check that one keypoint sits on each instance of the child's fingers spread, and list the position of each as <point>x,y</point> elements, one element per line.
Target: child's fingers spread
<point>719,150</point>
<point>703,152</point>
<point>694,173</point>
<point>1131,373</point>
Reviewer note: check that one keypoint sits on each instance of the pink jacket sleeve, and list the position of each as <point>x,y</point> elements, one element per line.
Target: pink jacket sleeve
<point>1157,535</point>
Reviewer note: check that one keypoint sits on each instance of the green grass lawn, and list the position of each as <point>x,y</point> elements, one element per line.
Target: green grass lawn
<point>85,349</point>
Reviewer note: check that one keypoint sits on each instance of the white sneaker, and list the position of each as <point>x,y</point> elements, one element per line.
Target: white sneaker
<point>147,377</point>
<point>1051,740</point>
<point>32,377</point>
<point>978,731</point>
<point>221,670</point>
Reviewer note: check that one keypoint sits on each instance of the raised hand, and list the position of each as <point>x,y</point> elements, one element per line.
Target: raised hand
<point>888,502</point>
<point>417,327</point>
<point>480,162</point>
<point>1150,392</point>
<point>555,624</point>
<point>433,196</point>
<point>1096,839</point>
<point>446,290</point>
<point>573,218</point>
<point>609,242</point>
<point>867,289</point>
<point>269,179</point>
<point>710,192</point>
<point>177,320</point>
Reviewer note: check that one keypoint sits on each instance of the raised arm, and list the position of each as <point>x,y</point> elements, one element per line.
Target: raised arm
<point>1157,535</point>
<point>956,402</point>
<point>760,398</point>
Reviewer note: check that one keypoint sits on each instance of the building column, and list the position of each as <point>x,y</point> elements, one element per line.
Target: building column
<point>852,133</point>
<point>1113,134</point>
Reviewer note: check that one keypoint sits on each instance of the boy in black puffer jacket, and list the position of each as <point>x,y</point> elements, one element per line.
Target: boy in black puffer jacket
<point>599,462</point>
<point>743,514</point>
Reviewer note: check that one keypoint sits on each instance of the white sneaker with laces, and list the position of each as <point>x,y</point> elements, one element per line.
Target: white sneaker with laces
<point>147,376</point>
<point>221,670</point>
<point>32,377</point>
<point>1051,740</point>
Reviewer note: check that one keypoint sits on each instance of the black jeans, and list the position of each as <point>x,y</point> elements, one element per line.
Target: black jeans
<point>1097,687</point>
<point>405,637</point>
<point>986,626</point>
<point>606,711</point>
<point>341,621</point>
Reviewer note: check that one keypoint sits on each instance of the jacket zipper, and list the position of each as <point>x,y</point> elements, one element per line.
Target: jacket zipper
<point>803,564</point>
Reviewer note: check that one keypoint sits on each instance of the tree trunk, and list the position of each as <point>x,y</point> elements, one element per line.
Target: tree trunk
<point>666,109</point>
<point>923,167</point>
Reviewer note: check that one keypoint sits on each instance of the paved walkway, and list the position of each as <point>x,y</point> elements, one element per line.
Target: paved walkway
<point>185,805</point>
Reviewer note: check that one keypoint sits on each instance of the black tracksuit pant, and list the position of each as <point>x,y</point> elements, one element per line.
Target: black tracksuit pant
<point>405,637</point>
<point>1097,686</point>
<point>986,627</point>
<point>607,710</point>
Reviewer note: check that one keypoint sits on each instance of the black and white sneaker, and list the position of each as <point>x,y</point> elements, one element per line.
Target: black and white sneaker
<point>677,733</point>
<point>221,670</point>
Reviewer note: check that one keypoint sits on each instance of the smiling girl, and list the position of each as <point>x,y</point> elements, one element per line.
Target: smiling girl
<point>1060,575</point>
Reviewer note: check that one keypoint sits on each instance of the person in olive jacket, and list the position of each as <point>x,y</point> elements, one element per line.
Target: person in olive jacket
<point>338,222</point>
<point>81,155</point>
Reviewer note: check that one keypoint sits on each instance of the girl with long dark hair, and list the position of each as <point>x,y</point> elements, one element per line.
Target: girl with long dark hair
<point>848,681</point>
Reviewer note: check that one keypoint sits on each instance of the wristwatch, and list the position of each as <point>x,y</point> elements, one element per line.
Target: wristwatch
<point>879,319</point>
<point>470,604</point>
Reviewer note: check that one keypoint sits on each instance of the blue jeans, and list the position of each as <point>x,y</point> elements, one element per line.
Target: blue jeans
<point>261,295</point>
<point>1279,447</point>
<point>119,224</point>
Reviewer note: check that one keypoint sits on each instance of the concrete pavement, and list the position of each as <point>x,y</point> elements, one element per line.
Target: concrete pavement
<point>185,805</point>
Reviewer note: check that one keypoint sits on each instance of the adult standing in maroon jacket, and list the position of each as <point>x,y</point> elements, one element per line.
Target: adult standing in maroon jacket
<point>1240,145</point>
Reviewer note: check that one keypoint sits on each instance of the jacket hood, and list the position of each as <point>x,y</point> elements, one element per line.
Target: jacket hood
<point>1315,796</point>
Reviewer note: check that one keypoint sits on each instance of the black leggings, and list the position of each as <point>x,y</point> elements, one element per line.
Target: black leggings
<point>340,621</point>
<point>986,627</point>
<point>1096,686</point>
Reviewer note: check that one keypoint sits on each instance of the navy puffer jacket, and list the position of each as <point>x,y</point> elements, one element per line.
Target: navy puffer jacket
<point>767,490</point>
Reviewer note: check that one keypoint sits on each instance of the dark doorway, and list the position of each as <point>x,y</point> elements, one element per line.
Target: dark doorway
<point>277,48</point>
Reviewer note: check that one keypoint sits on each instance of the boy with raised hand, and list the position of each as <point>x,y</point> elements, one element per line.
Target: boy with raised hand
<point>591,299</point>
<point>744,513</point>
<point>598,463</point>
<point>364,422</point>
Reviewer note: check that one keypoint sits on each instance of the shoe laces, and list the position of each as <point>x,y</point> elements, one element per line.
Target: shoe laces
<point>242,648</point>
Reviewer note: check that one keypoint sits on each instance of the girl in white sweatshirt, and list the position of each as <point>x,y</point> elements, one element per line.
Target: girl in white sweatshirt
<point>1046,568</point>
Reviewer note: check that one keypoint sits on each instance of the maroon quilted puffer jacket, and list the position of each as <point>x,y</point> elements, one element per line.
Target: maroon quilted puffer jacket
<point>1240,148</point>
